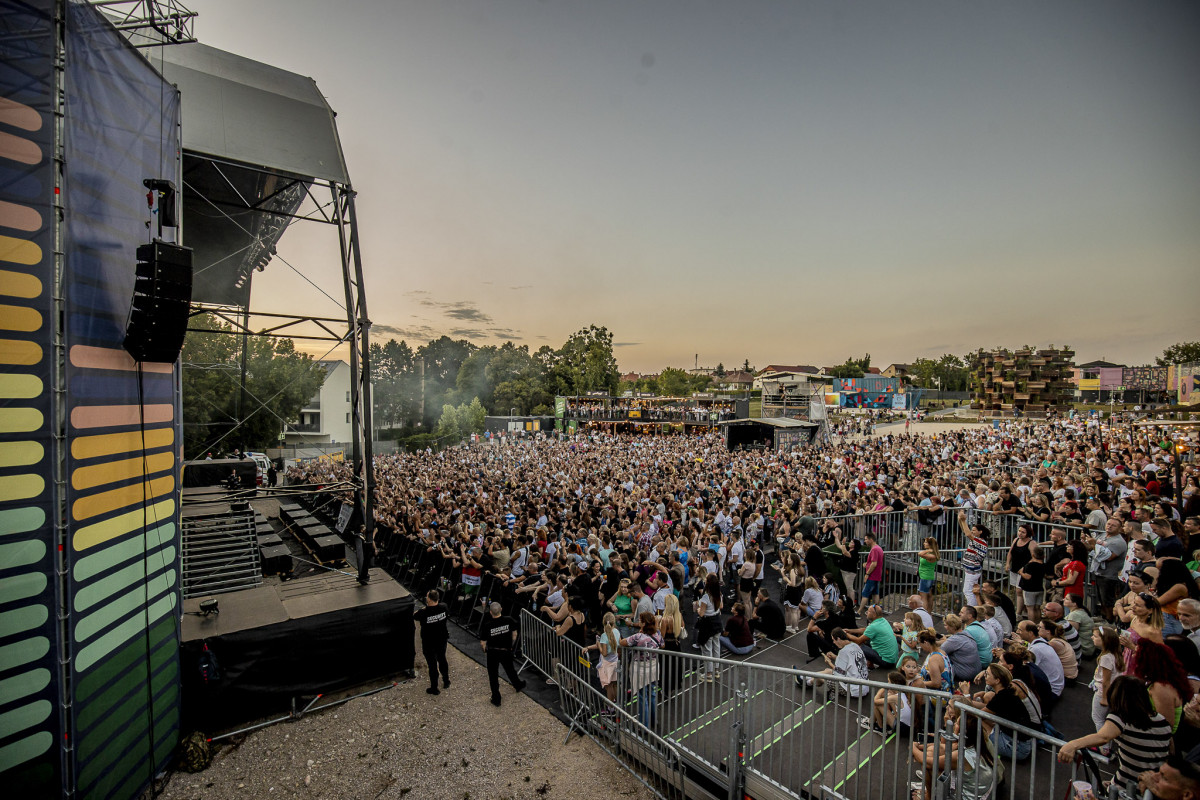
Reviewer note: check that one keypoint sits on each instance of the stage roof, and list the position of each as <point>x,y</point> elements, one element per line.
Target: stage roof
<point>253,113</point>
<point>774,422</point>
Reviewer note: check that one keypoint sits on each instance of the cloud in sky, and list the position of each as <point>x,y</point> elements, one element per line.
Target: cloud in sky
<point>460,310</point>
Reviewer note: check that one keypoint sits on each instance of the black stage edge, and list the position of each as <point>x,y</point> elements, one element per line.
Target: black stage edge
<point>313,635</point>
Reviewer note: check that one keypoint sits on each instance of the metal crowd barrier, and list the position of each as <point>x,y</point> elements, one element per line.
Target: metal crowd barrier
<point>763,731</point>
<point>648,757</point>
<point>546,651</point>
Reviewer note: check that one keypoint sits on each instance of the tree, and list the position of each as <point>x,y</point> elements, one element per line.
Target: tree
<point>462,420</point>
<point>585,363</point>
<point>1179,353</point>
<point>674,382</point>
<point>746,366</point>
<point>853,368</point>
<point>720,370</point>
<point>443,357</point>
<point>395,384</point>
<point>279,382</point>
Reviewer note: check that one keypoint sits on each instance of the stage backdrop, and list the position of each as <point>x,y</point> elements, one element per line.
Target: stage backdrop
<point>122,420</point>
<point>114,511</point>
<point>30,725</point>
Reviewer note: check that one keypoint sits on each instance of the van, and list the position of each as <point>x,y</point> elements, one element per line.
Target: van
<point>263,463</point>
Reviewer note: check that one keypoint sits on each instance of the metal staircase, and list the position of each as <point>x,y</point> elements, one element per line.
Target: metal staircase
<point>220,553</point>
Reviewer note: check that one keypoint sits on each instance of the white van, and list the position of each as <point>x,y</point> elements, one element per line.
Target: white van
<point>263,463</point>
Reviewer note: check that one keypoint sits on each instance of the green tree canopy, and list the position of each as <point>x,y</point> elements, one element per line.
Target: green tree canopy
<point>279,382</point>
<point>1179,353</point>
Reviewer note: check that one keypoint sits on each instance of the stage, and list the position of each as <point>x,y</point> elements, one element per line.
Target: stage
<point>295,639</point>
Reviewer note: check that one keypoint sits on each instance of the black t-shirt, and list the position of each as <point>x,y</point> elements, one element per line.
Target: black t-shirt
<point>770,620</point>
<point>1007,705</point>
<point>498,632</point>
<point>849,563</point>
<point>433,623</point>
<point>1020,556</point>
<point>1005,604</point>
<point>1036,570</point>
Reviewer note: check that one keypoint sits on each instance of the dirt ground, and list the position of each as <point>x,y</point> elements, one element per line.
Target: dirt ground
<point>404,743</point>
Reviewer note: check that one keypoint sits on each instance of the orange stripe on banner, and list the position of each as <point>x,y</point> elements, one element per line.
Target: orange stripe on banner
<point>14,148</point>
<point>104,502</point>
<point>110,444</point>
<point>19,251</point>
<point>13,351</point>
<point>19,318</point>
<point>19,115</point>
<point>18,284</point>
<point>112,471</point>
<point>110,358</point>
<point>23,218</point>
<point>111,416</point>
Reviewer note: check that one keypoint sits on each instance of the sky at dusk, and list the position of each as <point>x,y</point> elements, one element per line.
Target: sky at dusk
<point>784,182</point>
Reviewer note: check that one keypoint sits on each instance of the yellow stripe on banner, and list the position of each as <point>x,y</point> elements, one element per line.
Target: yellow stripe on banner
<point>20,487</point>
<point>19,318</point>
<point>20,420</point>
<point>19,284</point>
<point>104,502</point>
<point>23,387</point>
<point>110,444</point>
<point>101,532</point>
<point>14,351</point>
<point>112,471</point>
<point>20,454</point>
<point>19,251</point>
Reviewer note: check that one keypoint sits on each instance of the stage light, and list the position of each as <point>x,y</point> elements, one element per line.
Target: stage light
<point>209,606</point>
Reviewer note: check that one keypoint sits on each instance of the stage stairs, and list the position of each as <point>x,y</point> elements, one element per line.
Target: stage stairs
<point>220,553</point>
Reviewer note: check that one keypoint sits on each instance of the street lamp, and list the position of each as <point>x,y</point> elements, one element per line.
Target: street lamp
<point>511,410</point>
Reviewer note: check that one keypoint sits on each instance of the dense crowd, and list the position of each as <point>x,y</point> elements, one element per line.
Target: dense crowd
<point>612,539</point>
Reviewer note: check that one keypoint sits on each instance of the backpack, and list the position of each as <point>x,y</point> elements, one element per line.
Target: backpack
<point>210,670</point>
<point>195,753</point>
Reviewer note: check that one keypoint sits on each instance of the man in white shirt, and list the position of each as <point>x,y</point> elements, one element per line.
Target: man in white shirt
<point>663,582</point>
<point>917,606</point>
<point>1044,656</point>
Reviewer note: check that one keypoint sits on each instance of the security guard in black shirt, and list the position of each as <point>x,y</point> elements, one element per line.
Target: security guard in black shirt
<point>433,639</point>
<point>498,635</point>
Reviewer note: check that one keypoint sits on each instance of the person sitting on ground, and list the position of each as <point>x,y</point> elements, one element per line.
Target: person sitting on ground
<point>907,631</point>
<point>1010,700</point>
<point>936,672</point>
<point>886,706</point>
<point>767,619</point>
<point>1056,613</point>
<point>1175,779</point>
<point>819,628</point>
<point>976,630</point>
<point>737,637</point>
<point>1052,633</point>
<point>917,606</point>
<point>877,639</point>
<point>960,648</point>
<point>849,662</point>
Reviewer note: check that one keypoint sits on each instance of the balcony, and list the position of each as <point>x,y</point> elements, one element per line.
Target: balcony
<point>309,428</point>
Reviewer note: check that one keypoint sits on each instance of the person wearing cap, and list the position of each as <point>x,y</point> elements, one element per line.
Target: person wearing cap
<point>497,636</point>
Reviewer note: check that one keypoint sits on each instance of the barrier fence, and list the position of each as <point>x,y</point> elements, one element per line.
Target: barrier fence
<point>645,755</point>
<point>765,731</point>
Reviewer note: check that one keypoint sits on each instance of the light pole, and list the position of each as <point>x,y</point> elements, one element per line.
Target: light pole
<point>511,410</point>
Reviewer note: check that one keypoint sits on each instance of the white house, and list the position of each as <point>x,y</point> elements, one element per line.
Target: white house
<point>325,419</point>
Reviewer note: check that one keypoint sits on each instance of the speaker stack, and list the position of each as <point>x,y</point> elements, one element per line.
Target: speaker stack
<point>162,296</point>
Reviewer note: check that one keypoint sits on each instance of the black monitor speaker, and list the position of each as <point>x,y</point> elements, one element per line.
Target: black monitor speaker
<point>162,295</point>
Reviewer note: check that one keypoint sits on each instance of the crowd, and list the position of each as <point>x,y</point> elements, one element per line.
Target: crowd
<point>1073,558</point>
<point>654,411</point>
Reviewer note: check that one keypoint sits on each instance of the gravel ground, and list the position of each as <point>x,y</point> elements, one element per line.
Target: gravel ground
<point>404,743</point>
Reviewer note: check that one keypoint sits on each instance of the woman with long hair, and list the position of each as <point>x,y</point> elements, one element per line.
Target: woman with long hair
<point>792,576</point>
<point>643,668</point>
<point>1141,735</point>
<point>607,646</point>
<point>1109,664</point>
<point>1165,678</point>
<point>927,561</point>
<point>708,609</point>
<point>670,625</point>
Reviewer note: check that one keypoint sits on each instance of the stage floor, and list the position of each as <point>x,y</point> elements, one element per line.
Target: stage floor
<point>279,601</point>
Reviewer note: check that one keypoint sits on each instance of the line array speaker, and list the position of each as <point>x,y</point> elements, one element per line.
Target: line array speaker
<point>162,296</point>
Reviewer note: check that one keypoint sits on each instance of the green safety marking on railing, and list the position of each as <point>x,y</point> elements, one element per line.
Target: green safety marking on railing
<point>821,707</point>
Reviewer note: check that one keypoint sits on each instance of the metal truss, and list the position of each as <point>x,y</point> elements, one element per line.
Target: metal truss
<point>150,23</point>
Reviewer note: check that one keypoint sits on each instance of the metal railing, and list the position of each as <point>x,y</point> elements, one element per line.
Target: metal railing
<point>766,731</point>
<point>648,757</point>
<point>546,651</point>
